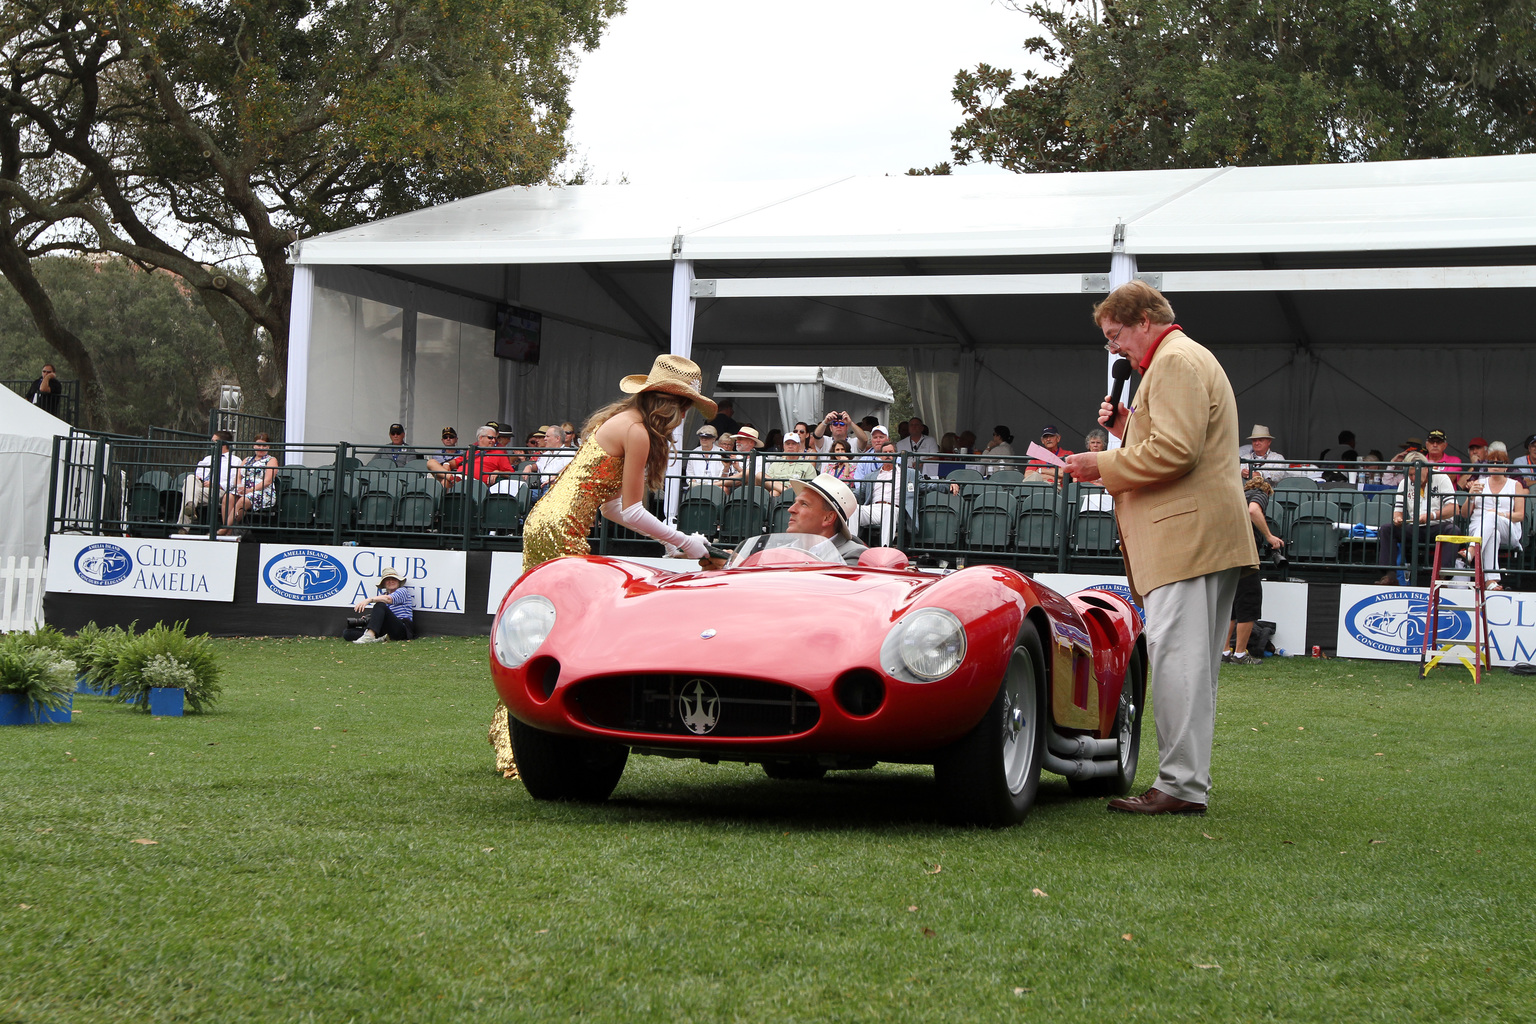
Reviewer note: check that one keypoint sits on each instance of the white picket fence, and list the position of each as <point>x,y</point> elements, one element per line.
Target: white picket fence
<point>21,593</point>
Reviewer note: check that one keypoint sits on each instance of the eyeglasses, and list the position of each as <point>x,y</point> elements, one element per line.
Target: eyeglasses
<point>1114,339</point>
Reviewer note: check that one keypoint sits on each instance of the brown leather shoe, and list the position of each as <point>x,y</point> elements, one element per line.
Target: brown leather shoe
<point>1155,801</point>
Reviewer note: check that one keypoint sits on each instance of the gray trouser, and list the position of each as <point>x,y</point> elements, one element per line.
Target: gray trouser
<point>1186,629</point>
<point>193,493</point>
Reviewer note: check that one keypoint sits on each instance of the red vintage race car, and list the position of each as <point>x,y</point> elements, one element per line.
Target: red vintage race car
<point>794,660</point>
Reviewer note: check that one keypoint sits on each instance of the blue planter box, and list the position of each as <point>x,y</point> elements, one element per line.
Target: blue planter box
<point>90,689</point>
<point>167,700</point>
<point>14,710</point>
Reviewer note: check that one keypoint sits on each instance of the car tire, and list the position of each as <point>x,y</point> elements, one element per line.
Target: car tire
<point>1133,702</point>
<point>555,767</point>
<point>990,776</point>
<point>806,771</point>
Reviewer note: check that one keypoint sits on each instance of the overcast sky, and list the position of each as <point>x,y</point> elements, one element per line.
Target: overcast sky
<point>723,90</point>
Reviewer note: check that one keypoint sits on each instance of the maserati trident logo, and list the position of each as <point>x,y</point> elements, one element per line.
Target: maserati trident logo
<point>699,705</point>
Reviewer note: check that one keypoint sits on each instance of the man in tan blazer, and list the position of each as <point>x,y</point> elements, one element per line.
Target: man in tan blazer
<point>1183,525</point>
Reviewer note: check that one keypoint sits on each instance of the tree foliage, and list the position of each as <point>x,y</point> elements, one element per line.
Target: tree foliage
<point>1198,83</point>
<point>190,135</point>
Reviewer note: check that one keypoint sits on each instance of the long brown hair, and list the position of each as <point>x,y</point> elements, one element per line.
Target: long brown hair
<point>661,413</point>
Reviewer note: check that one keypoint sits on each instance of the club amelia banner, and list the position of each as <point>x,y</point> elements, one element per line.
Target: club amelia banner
<point>1285,604</point>
<point>1388,623</point>
<point>339,577</point>
<point>135,567</point>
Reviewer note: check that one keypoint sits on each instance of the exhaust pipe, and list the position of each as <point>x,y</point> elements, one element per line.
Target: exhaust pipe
<point>1081,748</point>
<point>1080,769</point>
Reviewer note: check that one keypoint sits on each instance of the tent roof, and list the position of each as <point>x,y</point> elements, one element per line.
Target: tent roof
<point>858,380</point>
<point>1472,202</point>
<point>23,419</point>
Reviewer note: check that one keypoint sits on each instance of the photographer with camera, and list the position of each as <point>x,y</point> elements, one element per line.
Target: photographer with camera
<point>833,427</point>
<point>1248,604</point>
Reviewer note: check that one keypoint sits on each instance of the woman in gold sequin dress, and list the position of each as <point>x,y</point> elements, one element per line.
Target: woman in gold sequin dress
<point>625,456</point>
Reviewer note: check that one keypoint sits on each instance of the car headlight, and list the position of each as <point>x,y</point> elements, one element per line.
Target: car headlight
<point>525,625</point>
<point>925,646</point>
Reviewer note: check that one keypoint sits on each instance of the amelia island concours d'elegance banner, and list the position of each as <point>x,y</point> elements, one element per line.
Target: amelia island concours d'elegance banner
<point>168,568</point>
<point>339,577</point>
<point>1388,623</point>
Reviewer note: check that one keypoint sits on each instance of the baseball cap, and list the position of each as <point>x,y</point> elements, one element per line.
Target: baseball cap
<point>793,438</point>
<point>450,432</point>
<point>1478,442</point>
<point>395,428</point>
<point>1437,435</point>
<point>881,428</point>
<point>1049,430</point>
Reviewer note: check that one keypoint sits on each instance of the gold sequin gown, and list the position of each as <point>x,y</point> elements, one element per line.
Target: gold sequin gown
<point>558,526</point>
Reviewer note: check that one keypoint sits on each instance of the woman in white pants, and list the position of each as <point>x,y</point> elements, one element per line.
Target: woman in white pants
<point>1495,507</point>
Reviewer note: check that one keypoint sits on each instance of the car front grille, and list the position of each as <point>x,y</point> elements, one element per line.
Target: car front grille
<point>681,704</point>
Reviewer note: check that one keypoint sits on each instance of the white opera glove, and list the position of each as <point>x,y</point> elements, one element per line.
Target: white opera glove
<point>694,546</point>
<point>641,521</point>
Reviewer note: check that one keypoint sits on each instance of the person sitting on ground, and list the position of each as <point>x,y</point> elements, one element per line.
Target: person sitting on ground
<point>388,615</point>
<point>1495,510</point>
<point>257,489</point>
<point>195,492</point>
<point>788,467</point>
<point>1248,604</point>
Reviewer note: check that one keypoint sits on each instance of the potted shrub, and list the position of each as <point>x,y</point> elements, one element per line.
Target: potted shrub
<point>95,652</point>
<point>162,669</point>
<point>36,682</point>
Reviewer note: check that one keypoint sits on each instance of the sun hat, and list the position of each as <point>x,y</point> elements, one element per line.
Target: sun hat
<point>1260,433</point>
<point>838,496</point>
<point>672,375</point>
<point>749,432</point>
<point>1413,444</point>
<point>707,431</point>
<point>394,574</point>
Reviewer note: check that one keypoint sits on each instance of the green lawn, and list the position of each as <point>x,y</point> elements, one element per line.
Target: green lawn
<point>330,844</point>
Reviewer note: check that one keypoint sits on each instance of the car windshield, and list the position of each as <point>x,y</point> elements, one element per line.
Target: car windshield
<point>795,547</point>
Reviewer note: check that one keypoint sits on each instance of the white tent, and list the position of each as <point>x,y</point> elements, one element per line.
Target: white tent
<point>788,394</point>
<point>26,448</point>
<point>1386,297</point>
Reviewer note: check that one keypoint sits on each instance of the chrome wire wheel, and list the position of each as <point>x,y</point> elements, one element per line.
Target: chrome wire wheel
<point>1020,709</point>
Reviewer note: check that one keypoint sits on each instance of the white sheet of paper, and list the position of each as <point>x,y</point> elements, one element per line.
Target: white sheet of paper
<point>1045,454</point>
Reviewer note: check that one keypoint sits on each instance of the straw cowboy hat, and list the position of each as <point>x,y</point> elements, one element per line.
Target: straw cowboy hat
<point>838,496</point>
<point>750,433</point>
<point>1260,433</point>
<point>673,375</point>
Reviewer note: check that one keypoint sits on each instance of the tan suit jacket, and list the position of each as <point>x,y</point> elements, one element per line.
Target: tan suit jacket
<point>1178,493</point>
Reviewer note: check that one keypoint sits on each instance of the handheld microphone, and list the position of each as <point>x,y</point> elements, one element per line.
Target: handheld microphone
<point>1122,373</point>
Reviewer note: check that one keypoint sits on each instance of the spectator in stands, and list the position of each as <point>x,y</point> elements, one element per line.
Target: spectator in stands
<point>949,454</point>
<point>1394,478</point>
<point>1001,446</point>
<point>485,461</point>
<point>1525,465</point>
<point>704,465</point>
<point>558,453</point>
<point>1370,479</point>
<point>967,440</point>
<point>1260,448</point>
<point>920,441</point>
<point>390,613</point>
<point>1096,440</point>
<point>450,446</point>
<point>823,506</point>
<point>879,439</point>
<point>724,420</point>
<point>46,391</point>
<point>1346,439</point>
<point>903,430</point>
<point>1495,509</point>
<point>834,426</point>
<point>868,422</point>
<point>878,500</point>
<point>1477,453</point>
<point>570,434</point>
<point>1432,497</point>
<point>1437,449</point>
<point>1248,604</point>
<point>774,442</point>
<point>1050,440</point>
<point>839,462</point>
<point>256,490</point>
<point>194,493</point>
<point>789,467</point>
<point>732,466</point>
<point>396,451</point>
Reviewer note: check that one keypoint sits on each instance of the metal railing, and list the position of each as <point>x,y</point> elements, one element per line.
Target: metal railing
<point>68,408</point>
<point>942,511</point>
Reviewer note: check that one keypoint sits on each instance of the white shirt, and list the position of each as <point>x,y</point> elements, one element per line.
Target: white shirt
<point>1268,473</point>
<point>1441,490</point>
<point>550,465</point>
<point>925,445</point>
<point>854,444</point>
<point>230,471</point>
<point>704,465</point>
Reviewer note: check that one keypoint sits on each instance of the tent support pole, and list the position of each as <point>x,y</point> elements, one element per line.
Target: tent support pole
<point>300,321</point>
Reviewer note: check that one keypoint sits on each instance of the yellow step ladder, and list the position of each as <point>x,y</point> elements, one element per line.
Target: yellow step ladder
<point>1457,590</point>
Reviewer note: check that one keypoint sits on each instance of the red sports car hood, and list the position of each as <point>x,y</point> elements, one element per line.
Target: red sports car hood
<point>613,615</point>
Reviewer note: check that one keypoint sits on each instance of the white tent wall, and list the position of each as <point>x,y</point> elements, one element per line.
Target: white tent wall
<point>26,450</point>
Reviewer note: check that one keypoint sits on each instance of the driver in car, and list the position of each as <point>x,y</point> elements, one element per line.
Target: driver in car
<point>824,506</point>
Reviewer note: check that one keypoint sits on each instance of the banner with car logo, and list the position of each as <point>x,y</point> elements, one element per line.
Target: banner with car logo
<point>1388,623</point>
<point>135,567</point>
<point>1285,604</point>
<point>339,577</point>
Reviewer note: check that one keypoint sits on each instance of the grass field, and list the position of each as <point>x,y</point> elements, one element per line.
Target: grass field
<point>331,845</point>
